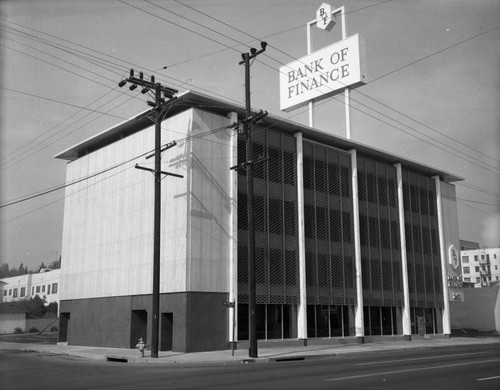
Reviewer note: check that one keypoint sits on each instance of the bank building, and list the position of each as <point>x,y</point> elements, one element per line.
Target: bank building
<point>351,242</point>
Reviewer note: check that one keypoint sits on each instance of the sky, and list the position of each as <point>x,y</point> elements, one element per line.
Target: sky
<point>432,94</point>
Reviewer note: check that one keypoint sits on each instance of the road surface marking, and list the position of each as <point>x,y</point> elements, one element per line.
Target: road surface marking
<point>422,358</point>
<point>410,370</point>
<point>487,379</point>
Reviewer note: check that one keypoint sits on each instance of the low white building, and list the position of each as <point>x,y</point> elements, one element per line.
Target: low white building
<point>481,266</point>
<point>45,284</point>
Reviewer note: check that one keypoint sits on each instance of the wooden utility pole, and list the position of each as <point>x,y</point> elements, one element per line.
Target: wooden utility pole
<point>160,106</point>
<point>247,130</point>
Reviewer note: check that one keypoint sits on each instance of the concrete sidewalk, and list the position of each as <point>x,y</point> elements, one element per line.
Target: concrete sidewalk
<point>266,353</point>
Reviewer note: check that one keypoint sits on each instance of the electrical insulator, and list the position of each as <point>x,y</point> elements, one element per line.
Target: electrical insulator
<point>133,86</point>
<point>141,75</point>
<point>153,79</point>
<point>122,83</point>
<point>131,73</point>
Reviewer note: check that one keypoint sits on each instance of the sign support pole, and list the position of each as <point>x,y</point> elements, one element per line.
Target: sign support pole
<point>340,10</point>
<point>347,99</point>
<point>309,51</point>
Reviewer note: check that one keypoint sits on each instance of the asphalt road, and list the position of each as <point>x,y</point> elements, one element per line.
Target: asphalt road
<point>472,367</point>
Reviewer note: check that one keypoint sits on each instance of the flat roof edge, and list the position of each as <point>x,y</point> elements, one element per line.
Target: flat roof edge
<point>218,105</point>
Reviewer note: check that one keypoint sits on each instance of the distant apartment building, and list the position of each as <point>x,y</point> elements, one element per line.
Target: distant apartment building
<point>481,266</point>
<point>45,284</point>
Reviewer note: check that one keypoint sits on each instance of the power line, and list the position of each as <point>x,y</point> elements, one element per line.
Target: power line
<point>479,210</point>
<point>292,57</point>
<point>60,102</point>
<point>71,52</point>
<point>175,24</point>
<point>185,18</point>
<point>57,66</point>
<point>435,53</point>
<point>127,64</point>
<point>116,65</point>
<point>378,112</point>
<point>269,36</point>
<point>44,137</point>
<point>54,127</point>
<point>337,99</point>
<point>419,122</point>
<point>64,136</point>
<point>63,198</point>
<point>479,189</point>
<point>475,201</point>
<point>421,59</point>
<point>62,186</point>
<point>72,64</point>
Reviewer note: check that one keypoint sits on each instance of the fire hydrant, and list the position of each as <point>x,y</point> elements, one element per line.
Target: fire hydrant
<point>141,346</point>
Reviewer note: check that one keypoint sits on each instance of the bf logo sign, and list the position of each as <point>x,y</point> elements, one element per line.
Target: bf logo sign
<point>324,18</point>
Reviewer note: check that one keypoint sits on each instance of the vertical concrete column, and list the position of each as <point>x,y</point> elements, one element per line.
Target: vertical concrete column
<point>30,284</point>
<point>302,312</point>
<point>358,311</point>
<point>352,321</point>
<point>444,265</point>
<point>233,226</point>
<point>404,259</point>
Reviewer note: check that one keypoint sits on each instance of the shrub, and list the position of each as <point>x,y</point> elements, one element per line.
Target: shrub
<point>52,309</point>
<point>54,329</point>
<point>18,330</point>
<point>34,330</point>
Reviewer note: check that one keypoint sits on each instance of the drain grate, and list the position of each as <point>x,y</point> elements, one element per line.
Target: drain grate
<point>290,359</point>
<point>116,359</point>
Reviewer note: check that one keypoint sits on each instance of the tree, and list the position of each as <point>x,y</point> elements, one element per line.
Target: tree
<point>5,270</point>
<point>41,266</point>
<point>22,270</point>
<point>52,309</point>
<point>56,264</point>
<point>35,307</point>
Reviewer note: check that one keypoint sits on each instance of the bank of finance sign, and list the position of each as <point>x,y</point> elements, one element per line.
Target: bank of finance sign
<point>323,73</point>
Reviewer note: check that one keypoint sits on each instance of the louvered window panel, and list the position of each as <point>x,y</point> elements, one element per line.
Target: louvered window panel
<point>379,234</point>
<point>422,241</point>
<point>330,271</point>
<point>275,219</point>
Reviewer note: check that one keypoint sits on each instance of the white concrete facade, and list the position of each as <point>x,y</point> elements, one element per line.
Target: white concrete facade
<point>118,227</point>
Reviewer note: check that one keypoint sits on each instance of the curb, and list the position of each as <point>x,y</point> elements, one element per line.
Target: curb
<point>274,355</point>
